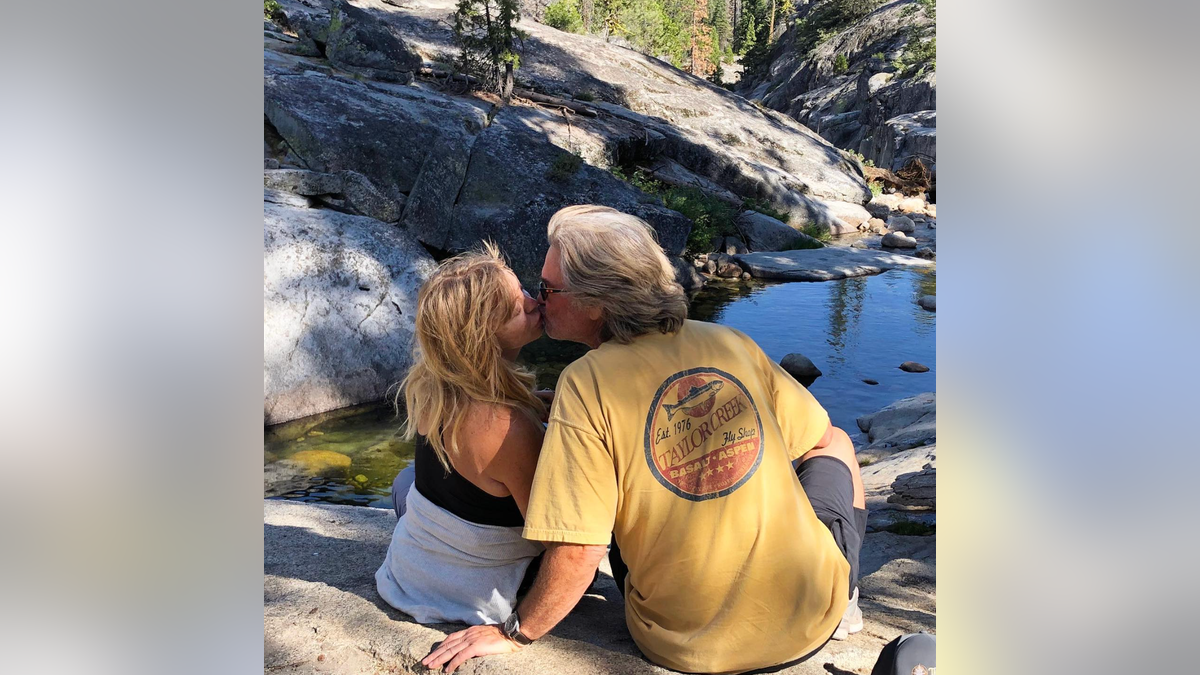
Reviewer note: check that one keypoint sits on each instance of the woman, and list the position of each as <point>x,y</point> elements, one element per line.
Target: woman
<point>457,554</point>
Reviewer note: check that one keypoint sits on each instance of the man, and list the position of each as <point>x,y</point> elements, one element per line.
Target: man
<point>678,439</point>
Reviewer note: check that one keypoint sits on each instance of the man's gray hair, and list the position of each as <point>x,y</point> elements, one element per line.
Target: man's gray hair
<point>612,260</point>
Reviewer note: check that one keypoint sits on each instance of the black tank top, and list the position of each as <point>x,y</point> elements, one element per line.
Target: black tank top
<point>459,495</point>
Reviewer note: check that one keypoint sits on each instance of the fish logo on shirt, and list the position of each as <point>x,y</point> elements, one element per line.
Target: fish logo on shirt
<point>714,446</point>
<point>696,398</point>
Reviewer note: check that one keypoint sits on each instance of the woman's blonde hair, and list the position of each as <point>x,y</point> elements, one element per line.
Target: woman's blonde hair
<point>612,260</point>
<point>457,356</point>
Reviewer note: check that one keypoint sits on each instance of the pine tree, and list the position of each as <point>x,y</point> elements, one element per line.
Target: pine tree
<point>608,16</point>
<point>748,37</point>
<point>587,11</point>
<point>701,44</point>
<point>486,31</point>
<point>718,18</point>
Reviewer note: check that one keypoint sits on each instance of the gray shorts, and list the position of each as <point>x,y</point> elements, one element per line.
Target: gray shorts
<point>830,490</point>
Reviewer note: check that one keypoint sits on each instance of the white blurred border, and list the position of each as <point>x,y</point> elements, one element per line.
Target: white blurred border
<point>1065,331</point>
<point>131,345</point>
<point>131,341</point>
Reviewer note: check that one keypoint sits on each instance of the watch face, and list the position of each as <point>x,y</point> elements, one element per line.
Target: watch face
<point>510,624</point>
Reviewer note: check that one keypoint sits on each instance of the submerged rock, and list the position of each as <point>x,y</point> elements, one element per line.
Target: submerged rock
<point>914,367</point>
<point>321,462</point>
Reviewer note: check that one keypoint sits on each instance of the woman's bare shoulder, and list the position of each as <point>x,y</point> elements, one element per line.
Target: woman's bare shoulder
<point>491,429</point>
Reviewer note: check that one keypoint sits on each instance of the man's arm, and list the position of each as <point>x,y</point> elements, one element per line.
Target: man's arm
<point>567,571</point>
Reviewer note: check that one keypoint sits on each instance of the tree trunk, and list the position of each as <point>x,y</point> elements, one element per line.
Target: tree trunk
<point>507,89</point>
<point>771,32</point>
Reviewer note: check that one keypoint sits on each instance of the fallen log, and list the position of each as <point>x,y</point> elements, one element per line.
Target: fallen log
<point>555,101</point>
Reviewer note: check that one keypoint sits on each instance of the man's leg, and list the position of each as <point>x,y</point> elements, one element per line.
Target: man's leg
<point>832,482</point>
<point>842,449</point>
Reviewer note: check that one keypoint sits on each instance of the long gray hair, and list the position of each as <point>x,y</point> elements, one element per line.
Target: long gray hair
<point>612,260</point>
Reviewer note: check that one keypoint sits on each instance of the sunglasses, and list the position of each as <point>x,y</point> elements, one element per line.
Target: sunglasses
<point>544,291</point>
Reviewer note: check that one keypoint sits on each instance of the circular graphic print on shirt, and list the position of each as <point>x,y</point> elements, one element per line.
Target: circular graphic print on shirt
<point>703,434</point>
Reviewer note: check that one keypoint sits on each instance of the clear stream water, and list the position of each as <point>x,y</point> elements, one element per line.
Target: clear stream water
<point>852,329</point>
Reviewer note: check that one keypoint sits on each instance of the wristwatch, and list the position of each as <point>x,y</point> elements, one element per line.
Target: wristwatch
<point>512,630</point>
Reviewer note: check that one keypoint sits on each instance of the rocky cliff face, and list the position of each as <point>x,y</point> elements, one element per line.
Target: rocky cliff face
<point>848,87</point>
<point>362,122</point>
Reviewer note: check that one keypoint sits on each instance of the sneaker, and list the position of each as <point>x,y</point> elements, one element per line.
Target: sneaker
<point>852,621</point>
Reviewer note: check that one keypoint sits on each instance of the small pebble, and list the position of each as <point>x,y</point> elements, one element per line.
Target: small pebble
<point>320,657</point>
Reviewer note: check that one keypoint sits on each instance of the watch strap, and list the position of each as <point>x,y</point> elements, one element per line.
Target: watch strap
<point>512,630</point>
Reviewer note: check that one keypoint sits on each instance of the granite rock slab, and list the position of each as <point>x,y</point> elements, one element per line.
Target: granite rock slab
<point>825,264</point>
<point>322,614</point>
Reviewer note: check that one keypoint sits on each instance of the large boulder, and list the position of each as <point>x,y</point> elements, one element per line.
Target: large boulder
<point>905,136</point>
<point>339,295</point>
<point>687,276</point>
<point>387,133</point>
<point>908,423</point>
<point>512,207</point>
<point>901,224</point>
<point>918,488</point>
<point>356,40</point>
<point>459,177</point>
<point>716,135</point>
<point>897,240</point>
<point>764,233</point>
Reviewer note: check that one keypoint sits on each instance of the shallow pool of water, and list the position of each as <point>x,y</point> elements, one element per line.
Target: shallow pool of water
<point>852,329</point>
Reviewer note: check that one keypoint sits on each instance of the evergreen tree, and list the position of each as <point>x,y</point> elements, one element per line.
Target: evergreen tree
<point>718,18</point>
<point>645,23</point>
<point>701,43</point>
<point>744,39</point>
<point>587,12</point>
<point>607,16</point>
<point>486,31</point>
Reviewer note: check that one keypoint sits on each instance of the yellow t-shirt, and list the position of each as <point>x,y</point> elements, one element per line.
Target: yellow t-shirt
<point>681,445</point>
